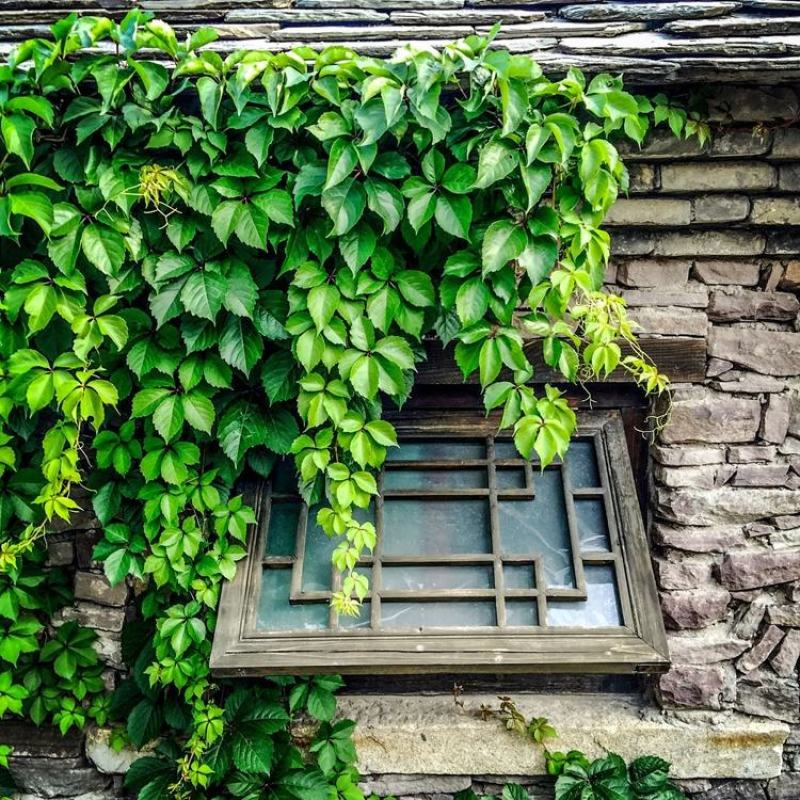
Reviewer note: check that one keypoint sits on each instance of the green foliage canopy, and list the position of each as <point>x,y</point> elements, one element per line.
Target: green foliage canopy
<point>211,262</point>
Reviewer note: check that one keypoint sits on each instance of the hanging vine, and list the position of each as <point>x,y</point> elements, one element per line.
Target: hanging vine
<point>209,263</point>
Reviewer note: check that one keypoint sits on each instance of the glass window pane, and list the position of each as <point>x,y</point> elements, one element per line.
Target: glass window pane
<point>504,448</point>
<point>581,464</point>
<point>521,612</point>
<point>592,525</point>
<point>275,613</point>
<point>418,578</point>
<point>436,614</point>
<point>282,531</point>
<point>437,450</point>
<point>519,576</point>
<point>510,477</point>
<point>600,609</point>
<point>284,477</point>
<point>539,527</point>
<point>359,622</point>
<point>434,479</point>
<point>436,527</point>
<point>317,561</point>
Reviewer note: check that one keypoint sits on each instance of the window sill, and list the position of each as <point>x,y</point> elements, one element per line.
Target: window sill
<point>429,735</point>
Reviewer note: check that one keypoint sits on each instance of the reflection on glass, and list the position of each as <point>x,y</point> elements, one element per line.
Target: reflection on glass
<point>359,622</point>
<point>432,479</point>
<point>581,464</point>
<point>399,578</point>
<point>437,450</point>
<point>510,477</point>
<point>519,576</point>
<point>437,614</point>
<point>436,527</point>
<point>601,607</point>
<point>275,613</point>
<point>540,526</point>
<point>590,515</point>
<point>521,612</point>
<point>282,530</point>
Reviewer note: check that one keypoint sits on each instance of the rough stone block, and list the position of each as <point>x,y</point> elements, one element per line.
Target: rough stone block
<point>60,554</point>
<point>710,243</point>
<point>717,366</point>
<point>784,787</point>
<point>730,305</point>
<point>650,211</point>
<point>741,381</point>
<point>687,455</point>
<point>775,424</point>
<point>744,104</point>
<point>722,273</point>
<point>641,177</point>
<point>705,477</point>
<point>789,177</point>
<point>735,790</point>
<point>684,574</point>
<point>786,143</point>
<point>403,734</point>
<point>707,646</point>
<point>787,615</point>
<point>735,176</point>
<point>695,609</point>
<point>791,277</point>
<point>748,623</point>
<point>767,352</point>
<point>765,694</point>
<point>713,418</point>
<point>776,211</point>
<point>761,651</point>
<point>751,454</point>
<point>654,272</point>
<point>660,145</point>
<point>733,142</point>
<point>783,241</point>
<point>632,243</point>
<point>691,297</point>
<point>720,208</point>
<point>670,321</point>
<point>761,475</point>
<point>698,540</point>
<point>726,505</point>
<point>94,616</point>
<point>697,687</point>
<point>399,785</point>
<point>96,588</point>
<point>752,569</point>
<point>104,757</point>
<point>784,662</point>
<point>52,777</point>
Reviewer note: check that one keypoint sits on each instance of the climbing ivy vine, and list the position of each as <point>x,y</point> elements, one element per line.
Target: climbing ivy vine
<point>211,262</point>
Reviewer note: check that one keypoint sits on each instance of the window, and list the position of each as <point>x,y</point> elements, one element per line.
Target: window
<point>483,562</point>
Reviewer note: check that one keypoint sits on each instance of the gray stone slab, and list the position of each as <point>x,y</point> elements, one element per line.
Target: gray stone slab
<point>648,11</point>
<point>738,25</point>
<point>411,735</point>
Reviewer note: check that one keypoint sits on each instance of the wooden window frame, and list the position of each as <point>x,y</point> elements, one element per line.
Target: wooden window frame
<point>640,646</point>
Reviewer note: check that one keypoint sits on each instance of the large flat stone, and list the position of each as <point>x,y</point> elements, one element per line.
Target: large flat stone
<point>413,735</point>
<point>767,352</point>
<point>713,418</point>
<point>752,569</point>
<point>725,505</point>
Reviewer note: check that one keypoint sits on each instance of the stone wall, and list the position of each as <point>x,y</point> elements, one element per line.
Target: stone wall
<point>707,245</point>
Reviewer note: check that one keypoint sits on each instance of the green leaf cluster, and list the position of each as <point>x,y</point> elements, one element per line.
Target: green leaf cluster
<point>210,263</point>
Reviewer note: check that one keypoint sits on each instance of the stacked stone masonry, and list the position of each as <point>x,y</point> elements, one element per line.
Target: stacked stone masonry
<point>707,245</point>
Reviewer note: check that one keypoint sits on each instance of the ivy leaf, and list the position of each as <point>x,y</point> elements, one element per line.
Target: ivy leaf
<point>104,247</point>
<point>203,293</point>
<point>322,303</point>
<point>210,93</point>
<point>345,205</point>
<point>503,241</point>
<point>239,344</point>
<point>454,214</point>
<point>17,130</point>
<point>199,411</point>
<point>496,161</point>
<point>168,417</point>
